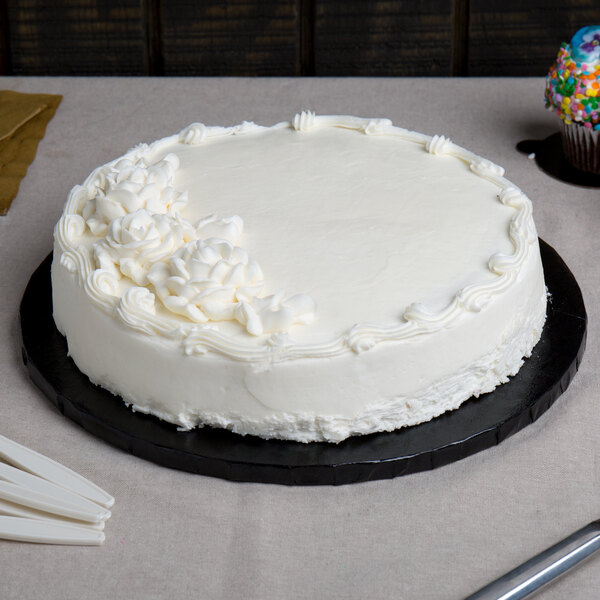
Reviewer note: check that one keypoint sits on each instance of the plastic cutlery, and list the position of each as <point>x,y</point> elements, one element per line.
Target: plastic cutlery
<point>47,532</point>
<point>32,499</point>
<point>37,484</point>
<point>48,469</point>
<point>10,509</point>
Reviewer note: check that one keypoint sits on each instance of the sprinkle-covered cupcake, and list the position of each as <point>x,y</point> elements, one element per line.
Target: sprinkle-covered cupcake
<point>573,92</point>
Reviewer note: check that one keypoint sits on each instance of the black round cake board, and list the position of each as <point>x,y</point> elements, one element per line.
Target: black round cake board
<point>478,424</point>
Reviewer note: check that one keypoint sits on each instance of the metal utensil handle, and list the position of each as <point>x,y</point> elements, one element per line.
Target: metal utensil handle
<point>540,569</point>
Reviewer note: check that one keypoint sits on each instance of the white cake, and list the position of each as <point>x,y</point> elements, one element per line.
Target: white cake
<point>313,280</point>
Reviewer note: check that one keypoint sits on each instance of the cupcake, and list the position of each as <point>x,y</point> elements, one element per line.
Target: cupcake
<point>573,92</point>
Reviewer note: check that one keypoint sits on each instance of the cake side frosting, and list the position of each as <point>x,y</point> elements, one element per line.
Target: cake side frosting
<point>312,399</point>
<point>169,307</point>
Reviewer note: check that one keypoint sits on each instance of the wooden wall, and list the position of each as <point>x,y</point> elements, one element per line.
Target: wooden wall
<point>287,37</point>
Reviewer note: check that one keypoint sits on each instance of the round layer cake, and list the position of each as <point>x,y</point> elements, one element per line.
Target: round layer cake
<point>310,281</point>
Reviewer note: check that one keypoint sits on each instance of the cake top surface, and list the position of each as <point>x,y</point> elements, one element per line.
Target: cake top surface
<point>573,82</point>
<point>310,238</point>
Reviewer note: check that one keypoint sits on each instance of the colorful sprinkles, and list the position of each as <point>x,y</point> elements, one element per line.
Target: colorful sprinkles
<point>573,83</point>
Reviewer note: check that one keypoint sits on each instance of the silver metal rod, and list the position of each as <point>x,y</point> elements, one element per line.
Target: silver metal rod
<point>539,570</point>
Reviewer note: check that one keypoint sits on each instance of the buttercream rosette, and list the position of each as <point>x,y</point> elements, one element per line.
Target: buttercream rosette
<point>198,271</point>
<point>213,280</point>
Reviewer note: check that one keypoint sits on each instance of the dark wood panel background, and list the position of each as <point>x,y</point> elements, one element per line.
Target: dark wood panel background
<point>241,37</point>
<point>287,37</point>
<point>522,37</point>
<point>383,38</point>
<point>77,37</point>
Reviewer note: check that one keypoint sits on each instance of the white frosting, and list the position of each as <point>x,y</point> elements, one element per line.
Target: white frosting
<point>397,243</point>
<point>213,280</point>
<point>132,208</point>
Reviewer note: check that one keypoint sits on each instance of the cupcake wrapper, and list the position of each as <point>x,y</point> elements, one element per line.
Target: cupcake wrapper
<point>581,147</point>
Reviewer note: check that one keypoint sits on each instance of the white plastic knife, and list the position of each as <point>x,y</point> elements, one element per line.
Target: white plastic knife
<point>46,532</point>
<point>37,484</point>
<point>45,467</point>
<point>10,509</point>
<point>32,499</point>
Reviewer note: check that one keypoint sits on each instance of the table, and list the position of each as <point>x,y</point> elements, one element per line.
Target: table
<point>434,535</point>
